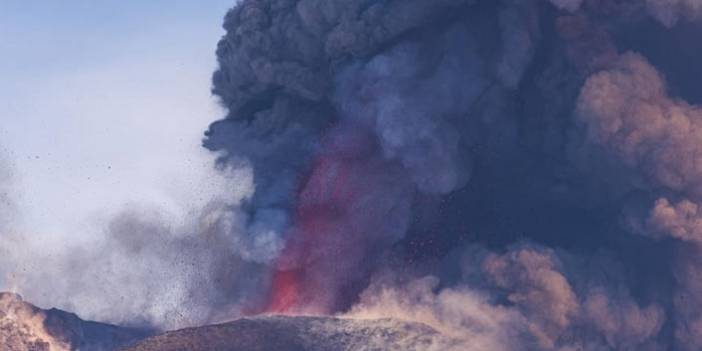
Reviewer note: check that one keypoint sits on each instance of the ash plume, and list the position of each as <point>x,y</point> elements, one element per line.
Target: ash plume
<point>143,270</point>
<point>140,267</point>
<point>542,163</point>
<point>518,175</point>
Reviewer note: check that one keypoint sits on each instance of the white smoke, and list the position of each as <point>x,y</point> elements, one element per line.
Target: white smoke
<point>143,268</point>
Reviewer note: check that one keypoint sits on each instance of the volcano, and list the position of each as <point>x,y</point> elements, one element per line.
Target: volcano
<point>25,327</point>
<point>470,175</point>
<point>301,333</point>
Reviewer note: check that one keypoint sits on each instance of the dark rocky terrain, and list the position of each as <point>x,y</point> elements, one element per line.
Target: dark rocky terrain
<point>301,334</point>
<point>25,327</point>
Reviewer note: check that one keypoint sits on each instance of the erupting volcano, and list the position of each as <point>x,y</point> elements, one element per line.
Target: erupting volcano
<point>342,205</point>
<point>455,175</point>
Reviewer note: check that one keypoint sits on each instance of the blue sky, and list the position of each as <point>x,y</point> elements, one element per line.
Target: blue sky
<point>102,107</point>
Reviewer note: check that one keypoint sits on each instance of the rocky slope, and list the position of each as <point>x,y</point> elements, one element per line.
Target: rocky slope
<point>301,334</point>
<point>25,327</point>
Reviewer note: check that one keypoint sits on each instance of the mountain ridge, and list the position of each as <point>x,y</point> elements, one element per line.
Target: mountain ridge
<point>25,327</point>
<point>301,333</point>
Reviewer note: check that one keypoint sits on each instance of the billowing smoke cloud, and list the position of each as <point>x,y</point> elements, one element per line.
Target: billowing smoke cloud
<point>143,268</point>
<point>458,312</point>
<point>546,309</point>
<point>627,110</point>
<point>372,118</point>
<point>667,12</point>
<point>670,11</point>
<point>519,175</point>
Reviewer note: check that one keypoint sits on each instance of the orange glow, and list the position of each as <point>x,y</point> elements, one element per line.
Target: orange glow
<point>323,230</point>
<point>285,292</point>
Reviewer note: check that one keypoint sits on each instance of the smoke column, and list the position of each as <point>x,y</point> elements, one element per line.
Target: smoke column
<point>516,174</point>
<point>351,198</point>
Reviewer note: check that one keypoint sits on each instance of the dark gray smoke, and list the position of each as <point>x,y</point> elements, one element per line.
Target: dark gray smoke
<point>519,175</point>
<point>551,147</point>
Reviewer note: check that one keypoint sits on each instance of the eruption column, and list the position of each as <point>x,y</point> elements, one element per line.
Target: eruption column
<point>352,204</point>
